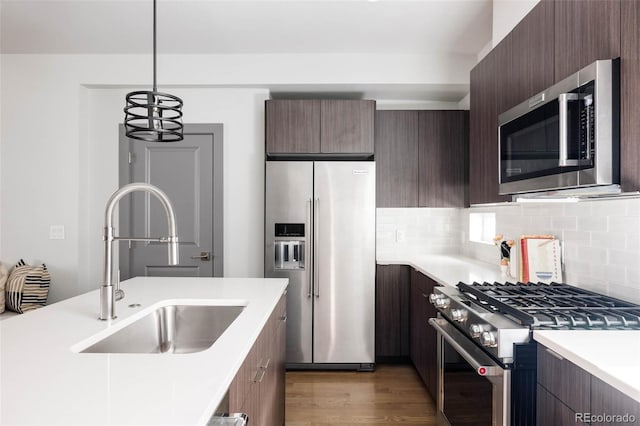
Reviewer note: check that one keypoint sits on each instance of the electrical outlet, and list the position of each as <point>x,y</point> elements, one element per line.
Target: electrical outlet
<point>400,235</point>
<point>56,232</point>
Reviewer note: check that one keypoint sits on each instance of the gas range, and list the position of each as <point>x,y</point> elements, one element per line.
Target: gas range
<point>497,316</point>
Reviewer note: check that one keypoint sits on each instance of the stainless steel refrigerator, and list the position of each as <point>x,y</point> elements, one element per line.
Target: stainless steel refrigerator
<point>320,233</point>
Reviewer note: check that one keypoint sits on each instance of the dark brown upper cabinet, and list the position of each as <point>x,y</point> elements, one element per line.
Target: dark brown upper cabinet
<point>443,153</point>
<point>483,132</point>
<point>347,126</point>
<point>421,158</point>
<point>630,96</point>
<point>585,31</point>
<point>525,61</point>
<point>319,127</point>
<point>292,126</point>
<point>396,147</point>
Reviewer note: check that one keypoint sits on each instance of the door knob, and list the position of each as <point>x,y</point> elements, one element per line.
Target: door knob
<point>204,256</point>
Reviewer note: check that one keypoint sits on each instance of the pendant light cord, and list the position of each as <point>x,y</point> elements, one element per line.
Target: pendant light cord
<point>155,88</point>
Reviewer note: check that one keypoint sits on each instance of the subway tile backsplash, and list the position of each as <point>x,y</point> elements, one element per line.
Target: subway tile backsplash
<point>407,231</point>
<point>601,238</point>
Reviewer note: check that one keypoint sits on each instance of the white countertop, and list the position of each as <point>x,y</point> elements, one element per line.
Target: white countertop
<point>44,381</point>
<point>613,356</point>
<point>448,269</point>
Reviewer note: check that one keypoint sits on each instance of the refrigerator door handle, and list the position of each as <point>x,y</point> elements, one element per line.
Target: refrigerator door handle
<point>311,239</point>
<point>316,255</point>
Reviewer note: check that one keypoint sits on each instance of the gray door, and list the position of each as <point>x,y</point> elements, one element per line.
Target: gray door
<point>190,173</point>
<point>345,262</point>
<point>288,199</point>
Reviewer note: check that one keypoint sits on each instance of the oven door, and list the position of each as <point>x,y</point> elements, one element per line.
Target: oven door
<point>473,389</point>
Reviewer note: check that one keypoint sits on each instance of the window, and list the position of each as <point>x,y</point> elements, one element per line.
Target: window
<point>482,227</point>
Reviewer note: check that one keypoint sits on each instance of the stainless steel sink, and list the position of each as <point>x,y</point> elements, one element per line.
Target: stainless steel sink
<point>174,329</point>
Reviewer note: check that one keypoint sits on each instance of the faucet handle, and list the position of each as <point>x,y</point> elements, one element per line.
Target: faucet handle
<point>118,293</point>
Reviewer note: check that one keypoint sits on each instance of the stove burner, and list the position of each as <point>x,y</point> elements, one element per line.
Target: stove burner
<point>556,306</point>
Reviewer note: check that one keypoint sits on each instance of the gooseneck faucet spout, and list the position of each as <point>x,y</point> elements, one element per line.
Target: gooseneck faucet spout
<point>108,288</point>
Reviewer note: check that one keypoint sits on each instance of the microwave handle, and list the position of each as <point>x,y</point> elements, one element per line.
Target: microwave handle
<point>563,127</point>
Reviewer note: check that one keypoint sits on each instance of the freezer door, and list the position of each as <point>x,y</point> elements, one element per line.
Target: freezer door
<point>288,200</point>
<point>344,291</point>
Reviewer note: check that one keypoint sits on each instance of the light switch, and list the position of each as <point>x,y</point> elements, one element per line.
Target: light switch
<point>56,232</point>
<point>400,235</point>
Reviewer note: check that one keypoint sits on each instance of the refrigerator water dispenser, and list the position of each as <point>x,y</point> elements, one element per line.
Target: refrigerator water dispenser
<point>289,246</point>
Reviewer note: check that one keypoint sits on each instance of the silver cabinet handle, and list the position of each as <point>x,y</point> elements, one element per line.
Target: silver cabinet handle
<point>266,364</point>
<point>316,255</point>
<point>563,121</point>
<point>259,375</point>
<point>204,256</point>
<point>554,354</point>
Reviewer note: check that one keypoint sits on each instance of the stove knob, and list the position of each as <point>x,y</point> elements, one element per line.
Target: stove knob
<point>433,297</point>
<point>488,338</point>
<point>459,315</point>
<point>442,302</point>
<point>475,330</point>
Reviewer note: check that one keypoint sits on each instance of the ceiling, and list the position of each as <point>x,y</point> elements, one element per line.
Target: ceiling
<point>246,26</point>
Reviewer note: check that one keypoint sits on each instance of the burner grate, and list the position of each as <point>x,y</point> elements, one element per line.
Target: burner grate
<point>554,305</point>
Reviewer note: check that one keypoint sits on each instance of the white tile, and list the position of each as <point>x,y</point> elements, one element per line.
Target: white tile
<point>592,223</point>
<point>608,208</point>
<point>564,222</point>
<point>628,224</point>
<point>623,257</point>
<point>608,239</point>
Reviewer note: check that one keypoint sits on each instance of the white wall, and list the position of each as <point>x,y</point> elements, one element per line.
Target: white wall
<point>58,150</point>
<point>507,14</point>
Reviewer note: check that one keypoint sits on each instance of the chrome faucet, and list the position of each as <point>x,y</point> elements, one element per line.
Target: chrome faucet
<point>110,290</point>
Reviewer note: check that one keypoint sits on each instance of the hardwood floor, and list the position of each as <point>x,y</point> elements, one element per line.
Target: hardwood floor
<point>392,395</point>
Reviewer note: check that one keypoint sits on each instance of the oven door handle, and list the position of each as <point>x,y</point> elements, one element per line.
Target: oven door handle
<point>453,337</point>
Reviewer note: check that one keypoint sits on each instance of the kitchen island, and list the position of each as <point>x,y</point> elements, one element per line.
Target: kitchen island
<point>45,380</point>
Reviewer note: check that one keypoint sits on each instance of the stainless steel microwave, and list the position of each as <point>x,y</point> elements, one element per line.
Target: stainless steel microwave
<point>565,137</point>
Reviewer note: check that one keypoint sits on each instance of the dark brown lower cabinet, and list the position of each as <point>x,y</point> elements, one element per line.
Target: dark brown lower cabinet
<point>423,337</point>
<point>569,395</point>
<point>392,313</point>
<point>606,400</point>
<point>258,388</point>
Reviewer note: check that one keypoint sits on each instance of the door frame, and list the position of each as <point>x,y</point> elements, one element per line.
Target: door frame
<point>124,173</point>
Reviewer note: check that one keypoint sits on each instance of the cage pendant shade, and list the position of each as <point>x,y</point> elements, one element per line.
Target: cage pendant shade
<point>153,116</point>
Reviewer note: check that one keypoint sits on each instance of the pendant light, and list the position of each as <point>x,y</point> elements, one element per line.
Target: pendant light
<point>153,116</point>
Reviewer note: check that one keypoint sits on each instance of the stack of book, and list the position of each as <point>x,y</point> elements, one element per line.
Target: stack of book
<point>538,259</point>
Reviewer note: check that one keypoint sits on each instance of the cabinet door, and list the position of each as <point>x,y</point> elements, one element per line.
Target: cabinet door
<point>585,30</point>
<point>292,126</point>
<point>392,313</point>
<point>630,96</point>
<point>606,399</point>
<point>526,61</point>
<point>396,146</point>
<point>347,126</point>
<point>423,336</point>
<point>483,134</point>
<point>562,378</point>
<point>550,411</point>
<point>443,153</point>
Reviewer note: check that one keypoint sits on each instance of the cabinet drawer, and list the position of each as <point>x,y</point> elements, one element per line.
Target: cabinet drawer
<point>562,378</point>
<point>551,411</point>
